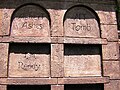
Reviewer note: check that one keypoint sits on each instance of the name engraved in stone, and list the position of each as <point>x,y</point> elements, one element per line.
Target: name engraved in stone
<point>80,27</point>
<point>28,66</point>
<point>32,25</point>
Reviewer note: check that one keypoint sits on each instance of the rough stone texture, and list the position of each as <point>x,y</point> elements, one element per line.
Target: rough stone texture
<point>110,51</point>
<point>33,23</point>
<point>109,32</point>
<point>56,22</point>
<point>111,69</point>
<point>83,80</point>
<point>107,17</point>
<point>84,65</point>
<point>3,59</point>
<point>28,81</point>
<point>57,60</point>
<point>80,22</point>
<point>29,65</point>
<point>113,85</point>
<point>3,87</point>
<point>57,87</point>
<point>5,15</point>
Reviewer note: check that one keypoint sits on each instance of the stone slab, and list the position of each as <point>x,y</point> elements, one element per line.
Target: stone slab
<point>84,65</point>
<point>109,32</point>
<point>57,87</point>
<point>110,51</point>
<point>30,20</point>
<point>57,69</point>
<point>3,59</point>
<point>81,22</point>
<point>113,85</point>
<point>29,65</point>
<point>83,80</point>
<point>3,87</point>
<point>111,69</point>
<point>28,81</point>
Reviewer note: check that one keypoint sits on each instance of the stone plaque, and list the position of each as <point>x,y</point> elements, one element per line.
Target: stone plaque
<point>82,65</point>
<point>81,22</point>
<point>30,20</point>
<point>29,60</point>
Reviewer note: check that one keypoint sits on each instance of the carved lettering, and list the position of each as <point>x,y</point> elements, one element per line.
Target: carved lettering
<point>80,27</point>
<point>31,25</point>
<point>30,66</point>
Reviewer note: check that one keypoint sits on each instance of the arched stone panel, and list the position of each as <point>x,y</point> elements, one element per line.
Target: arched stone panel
<point>80,21</point>
<point>30,20</point>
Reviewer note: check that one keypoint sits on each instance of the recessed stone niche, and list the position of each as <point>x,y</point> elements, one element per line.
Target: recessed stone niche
<point>28,87</point>
<point>85,87</point>
<point>80,21</point>
<point>30,20</point>
<point>29,60</point>
<point>82,60</point>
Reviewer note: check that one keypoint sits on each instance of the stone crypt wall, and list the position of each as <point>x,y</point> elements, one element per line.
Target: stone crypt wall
<point>59,45</point>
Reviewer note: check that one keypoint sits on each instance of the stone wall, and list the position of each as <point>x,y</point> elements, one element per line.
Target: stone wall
<point>63,44</point>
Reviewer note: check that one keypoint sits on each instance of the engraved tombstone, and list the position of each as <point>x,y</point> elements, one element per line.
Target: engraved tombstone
<point>81,22</point>
<point>29,60</point>
<point>30,20</point>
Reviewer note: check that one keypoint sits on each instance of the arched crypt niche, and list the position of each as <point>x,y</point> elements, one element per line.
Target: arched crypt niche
<point>81,21</point>
<point>30,20</point>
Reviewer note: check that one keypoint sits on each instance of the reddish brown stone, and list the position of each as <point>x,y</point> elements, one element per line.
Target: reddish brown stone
<point>110,51</point>
<point>3,87</point>
<point>57,87</point>
<point>3,59</point>
<point>111,69</point>
<point>113,85</point>
<point>57,60</point>
<point>109,32</point>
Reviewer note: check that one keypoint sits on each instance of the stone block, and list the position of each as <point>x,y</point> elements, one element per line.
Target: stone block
<point>57,87</point>
<point>113,85</point>
<point>57,60</point>
<point>3,59</point>
<point>111,69</point>
<point>84,65</point>
<point>5,16</point>
<point>107,17</point>
<point>56,22</point>
<point>110,51</point>
<point>109,32</point>
<point>3,87</point>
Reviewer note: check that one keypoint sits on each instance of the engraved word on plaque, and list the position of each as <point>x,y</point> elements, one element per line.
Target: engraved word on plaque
<point>81,22</point>
<point>30,20</point>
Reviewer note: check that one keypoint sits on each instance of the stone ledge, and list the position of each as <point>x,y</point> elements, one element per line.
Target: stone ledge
<point>83,80</point>
<point>28,81</point>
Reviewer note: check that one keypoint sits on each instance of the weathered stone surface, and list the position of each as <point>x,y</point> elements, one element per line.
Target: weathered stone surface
<point>57,60</point>
<point>5,15</point>
<point>110,51</point>
<point>3,59</point>
<point>111,69</point>
<point>83,80</point>
<point>30,20</point>
<point>57,22</point>
<point>29,65</point>
<point>28,81</point>
<point>3,87</point>
<point>113,85</point>
<point>57,87</point>
<point>109,32</point>
<point>81,22</point>
<point>84,65</point>
<point>107,17</point>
